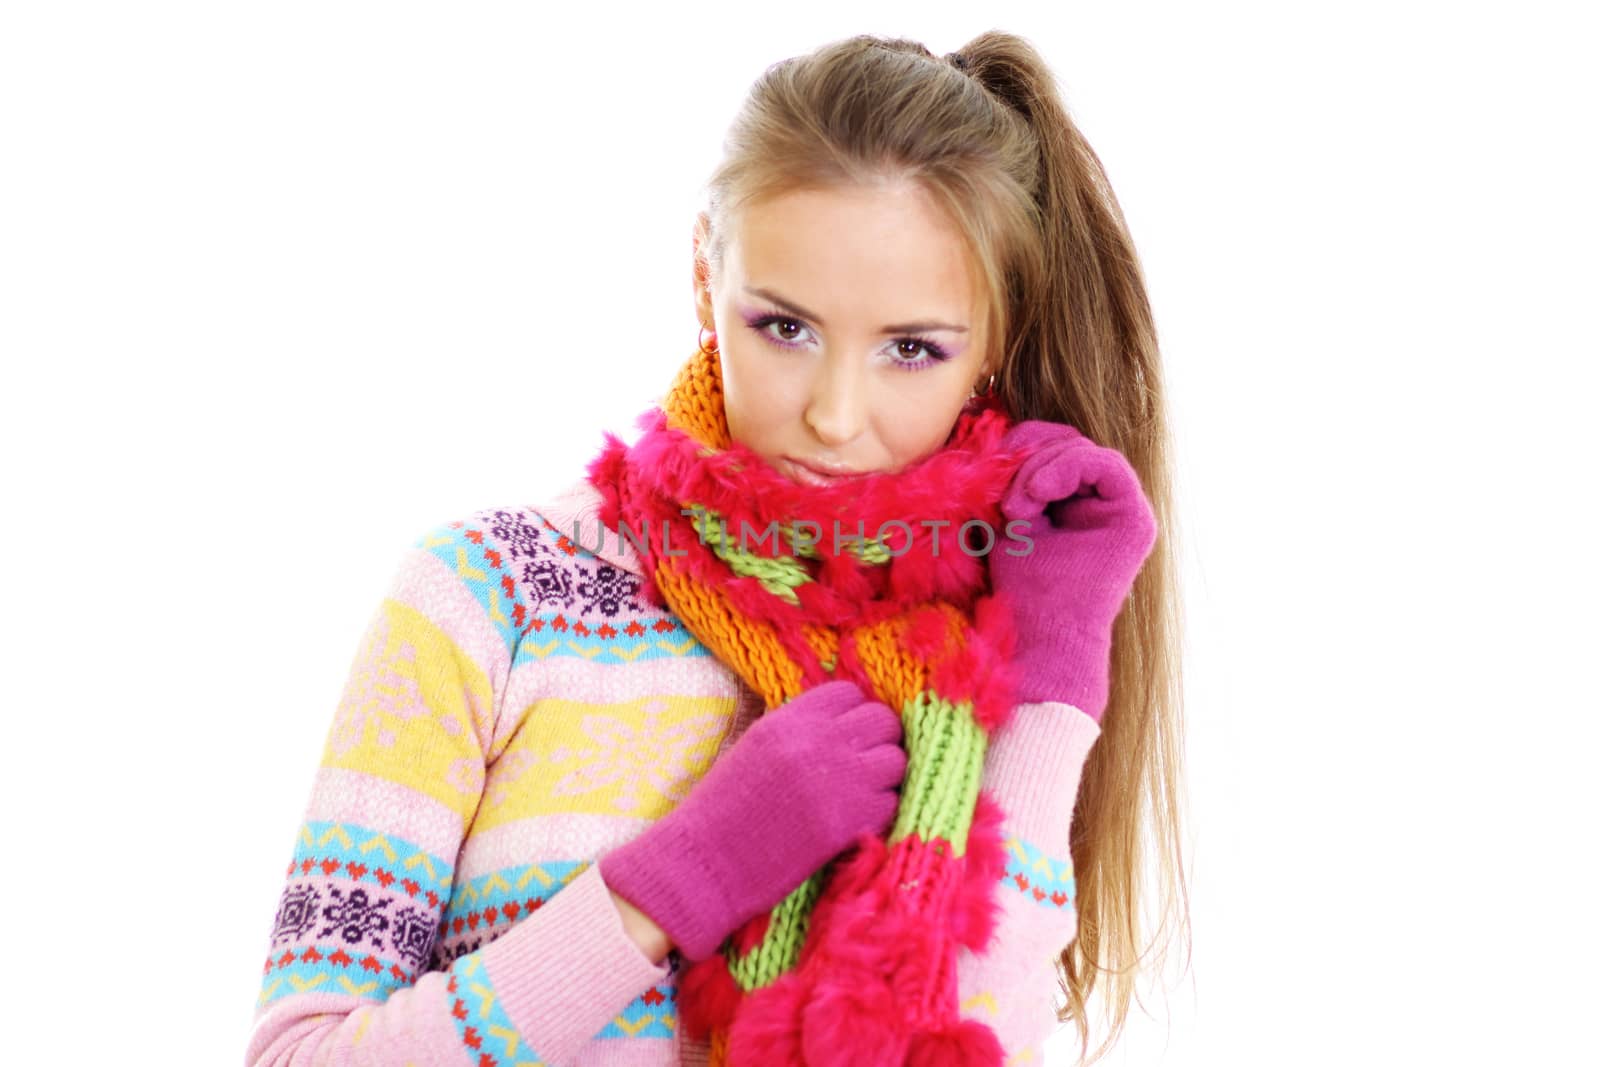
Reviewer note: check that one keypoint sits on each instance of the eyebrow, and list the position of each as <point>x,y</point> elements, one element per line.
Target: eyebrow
<point>900,327</point>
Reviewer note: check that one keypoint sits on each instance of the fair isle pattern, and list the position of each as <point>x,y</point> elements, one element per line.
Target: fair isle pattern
<point>361,854</point>
<point>482,908</point>
<point>493,1040</point>
<point>552,597</point>
<point>482,570</point>
<point>1042,878</point>
<point>357,914</point>
<point>330,969</point>
<point>481,1023</point>
<point>538,586</point>
<point>664,638</point>
<point>631,757</point>
<point>412,709</point>
<point>599,589</point>
<point>652,1014</point>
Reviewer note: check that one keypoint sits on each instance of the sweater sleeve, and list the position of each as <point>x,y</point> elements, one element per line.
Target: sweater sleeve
<point>351,974</point>
<point>1032,770</point>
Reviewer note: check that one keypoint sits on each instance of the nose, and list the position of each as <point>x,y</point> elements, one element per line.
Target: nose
<point>837,412</point>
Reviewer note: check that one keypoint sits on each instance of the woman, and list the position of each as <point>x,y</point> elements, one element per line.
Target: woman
<point>610,782</point>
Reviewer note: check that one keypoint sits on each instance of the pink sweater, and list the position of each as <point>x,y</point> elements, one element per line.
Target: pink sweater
<point>515,711</point>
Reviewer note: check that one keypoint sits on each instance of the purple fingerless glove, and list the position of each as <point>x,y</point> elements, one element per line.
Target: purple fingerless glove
<point>1092,529</point>
<point>802,784</point>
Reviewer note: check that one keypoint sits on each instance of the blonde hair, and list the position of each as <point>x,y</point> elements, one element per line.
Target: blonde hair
<point>984,132</point>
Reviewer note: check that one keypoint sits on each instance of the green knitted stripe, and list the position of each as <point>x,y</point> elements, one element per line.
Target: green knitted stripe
<point>945,747</point>
<point>778,575</point>
<point>779,950</point>
<point>869,551</point>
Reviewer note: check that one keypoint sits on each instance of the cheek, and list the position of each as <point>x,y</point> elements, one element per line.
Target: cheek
<point>748,407</point>
<point>912,431</point>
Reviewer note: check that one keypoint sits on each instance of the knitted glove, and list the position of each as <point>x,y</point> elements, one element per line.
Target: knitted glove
<point>803,783</point>
<point>1092,529</point>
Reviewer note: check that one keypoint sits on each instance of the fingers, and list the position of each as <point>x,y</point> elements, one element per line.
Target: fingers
<point>1099,477</point>
<point>1017,504</point>
<point>885,765</point>
<point>831,697</point>
<point>871,723</point>
<point>1040,442</point>
<point>1051,474</point>
<point>1111,475</point>
<point>1060,476</point>
<point>1033,434</point>
<point>1088,490</point>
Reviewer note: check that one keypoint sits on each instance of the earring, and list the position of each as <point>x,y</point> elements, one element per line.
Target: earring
<point>988,388</point>
<point>713,349</point>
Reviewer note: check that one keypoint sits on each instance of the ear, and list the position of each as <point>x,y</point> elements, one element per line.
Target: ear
<point>701,270</point>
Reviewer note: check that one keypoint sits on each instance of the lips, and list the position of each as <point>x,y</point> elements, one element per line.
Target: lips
<point>809,475</point>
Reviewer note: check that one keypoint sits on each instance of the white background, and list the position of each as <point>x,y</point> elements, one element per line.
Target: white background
<point>283,285</point>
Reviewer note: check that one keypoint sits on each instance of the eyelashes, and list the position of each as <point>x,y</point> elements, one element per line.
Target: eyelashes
<point>935,353</point>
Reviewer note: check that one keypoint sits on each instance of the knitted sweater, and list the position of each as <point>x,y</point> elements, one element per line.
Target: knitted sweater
<point>515,711</point>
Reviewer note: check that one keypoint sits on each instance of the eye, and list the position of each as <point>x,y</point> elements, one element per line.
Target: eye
<point>934,354</point>
<point>785,341</point>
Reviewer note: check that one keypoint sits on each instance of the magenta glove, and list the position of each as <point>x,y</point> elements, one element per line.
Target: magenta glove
<point>803,783</point>
<point>1092,529</point>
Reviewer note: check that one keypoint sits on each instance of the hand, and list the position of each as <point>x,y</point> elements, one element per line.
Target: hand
<point>804,782</point>
<point>1092,529</point>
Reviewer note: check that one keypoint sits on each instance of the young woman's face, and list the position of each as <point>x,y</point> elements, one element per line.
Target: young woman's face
<point>848,329</point>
